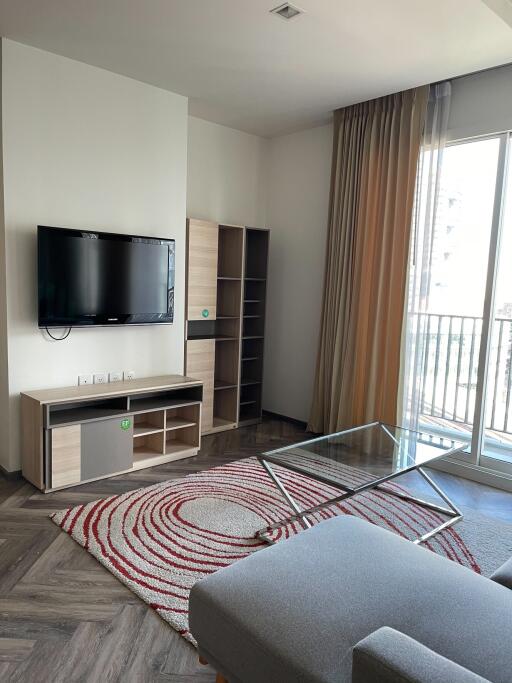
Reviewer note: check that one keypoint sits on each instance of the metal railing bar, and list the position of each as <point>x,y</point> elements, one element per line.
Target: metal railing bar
<point>509,386</point>
<point>470,370</point>
<point>426,363</point>
<point>459,363</point>
<point>496,375</point>
<point>447,369</point>
<point>436,364</point>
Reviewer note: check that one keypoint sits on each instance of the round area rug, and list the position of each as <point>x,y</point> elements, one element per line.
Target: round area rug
<point>161,539</point>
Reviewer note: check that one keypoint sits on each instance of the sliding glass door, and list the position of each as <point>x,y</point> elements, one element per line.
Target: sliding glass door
<point>458,333</point>
<point>496,446</point>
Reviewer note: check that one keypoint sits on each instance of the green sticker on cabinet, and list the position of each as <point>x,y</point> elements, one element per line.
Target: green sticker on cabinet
<point>205,312</point>
<point>126,424</point>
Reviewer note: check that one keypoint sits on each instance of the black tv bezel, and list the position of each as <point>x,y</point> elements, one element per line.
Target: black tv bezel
<point>96,320</point>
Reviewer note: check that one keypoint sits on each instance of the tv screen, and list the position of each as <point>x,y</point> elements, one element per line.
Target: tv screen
<point>90,278</point>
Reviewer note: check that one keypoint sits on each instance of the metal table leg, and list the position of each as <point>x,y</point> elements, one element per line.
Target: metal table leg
<point>453,512</point>
<point>299,513</point>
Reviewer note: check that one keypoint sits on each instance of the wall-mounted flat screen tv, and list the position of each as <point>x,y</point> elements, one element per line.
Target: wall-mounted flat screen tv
<point>88,278</point>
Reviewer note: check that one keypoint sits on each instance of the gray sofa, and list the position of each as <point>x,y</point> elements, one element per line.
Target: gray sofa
<point>348,601</point>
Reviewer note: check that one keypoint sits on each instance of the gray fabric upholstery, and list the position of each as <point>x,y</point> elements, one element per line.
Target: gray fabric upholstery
<point>503,575</point>
<point>294,611</point>
<point>388,656</point>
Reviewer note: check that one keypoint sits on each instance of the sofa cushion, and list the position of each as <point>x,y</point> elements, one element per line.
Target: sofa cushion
<point>295,610</point>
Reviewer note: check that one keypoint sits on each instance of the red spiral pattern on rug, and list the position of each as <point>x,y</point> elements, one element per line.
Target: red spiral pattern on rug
<point>145,538</point>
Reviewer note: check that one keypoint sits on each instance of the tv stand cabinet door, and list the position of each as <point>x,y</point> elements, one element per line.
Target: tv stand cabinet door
<point>200,364</point>
<point>203,250</point>
<point>107,447</point>
<point>65,456</point>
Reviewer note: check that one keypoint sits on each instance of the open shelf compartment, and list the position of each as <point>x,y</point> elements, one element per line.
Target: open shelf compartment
<point>231,245</point>
<point>150,402</point>
<point>250,402</point>
<point>256,254</point>
<point>62,414</point>
<point>182,418</point>
<point>253,328</point>
<point>229,295</point>
<point>182,439</point>
<point>222,329</point>
<point>145,424</point>
<point>225,407</point>
<point>148,446</point>
<point>227,365</point>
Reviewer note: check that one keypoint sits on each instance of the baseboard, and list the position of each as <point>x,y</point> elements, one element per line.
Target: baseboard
<point>479,474</point>
<point>291,420</point>
<point>10,476</point>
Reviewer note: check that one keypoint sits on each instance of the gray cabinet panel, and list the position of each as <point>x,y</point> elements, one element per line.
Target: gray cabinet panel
<point>107,447</point>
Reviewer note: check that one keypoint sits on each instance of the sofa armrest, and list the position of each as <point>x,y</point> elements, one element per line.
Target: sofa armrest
<point>503,574</point>
<point>388,656</point>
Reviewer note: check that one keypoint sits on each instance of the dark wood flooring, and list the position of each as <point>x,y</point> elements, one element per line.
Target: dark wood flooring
<point>64,618</point>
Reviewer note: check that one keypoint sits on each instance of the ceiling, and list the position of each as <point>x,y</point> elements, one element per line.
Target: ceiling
<point>246,68</point>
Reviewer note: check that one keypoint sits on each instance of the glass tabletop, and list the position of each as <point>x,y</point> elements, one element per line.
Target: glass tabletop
<point>370,453</point>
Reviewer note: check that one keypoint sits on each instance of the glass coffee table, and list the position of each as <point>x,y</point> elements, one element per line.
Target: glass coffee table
<point>361,459</point>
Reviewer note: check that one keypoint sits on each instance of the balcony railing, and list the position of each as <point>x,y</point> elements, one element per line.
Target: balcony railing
<point>452,346</point>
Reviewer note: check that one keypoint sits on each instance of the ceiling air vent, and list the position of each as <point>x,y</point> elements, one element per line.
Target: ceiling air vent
<point>286,11</point>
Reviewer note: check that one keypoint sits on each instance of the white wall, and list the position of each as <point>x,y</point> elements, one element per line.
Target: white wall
<point>226,174</point>
<point>298,196</point>
<point>85,148</point>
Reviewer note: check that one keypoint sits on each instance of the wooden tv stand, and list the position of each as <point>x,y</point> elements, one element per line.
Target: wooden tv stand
<point>79,434</point>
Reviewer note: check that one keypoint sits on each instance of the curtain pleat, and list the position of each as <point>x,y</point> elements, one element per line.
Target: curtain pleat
<point>375,151</point>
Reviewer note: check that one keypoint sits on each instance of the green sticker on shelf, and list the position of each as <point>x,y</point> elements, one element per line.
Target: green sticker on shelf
<point>205,312</point>
<point>126,424</point>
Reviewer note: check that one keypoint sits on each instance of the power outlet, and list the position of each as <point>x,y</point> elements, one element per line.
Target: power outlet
<point>129,374</point>
<point>84,379</point>
<point>115,376</point>
<point>100,378</point>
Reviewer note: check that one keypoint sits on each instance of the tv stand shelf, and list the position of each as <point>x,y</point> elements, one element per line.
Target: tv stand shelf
<point>78,434</point>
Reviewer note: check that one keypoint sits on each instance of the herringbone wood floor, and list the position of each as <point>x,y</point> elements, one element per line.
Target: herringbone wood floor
<point>64,618</point>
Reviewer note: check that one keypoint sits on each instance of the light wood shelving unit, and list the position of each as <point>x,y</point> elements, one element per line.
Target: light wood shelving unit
<point>79,434</point>
<point>224,343</point>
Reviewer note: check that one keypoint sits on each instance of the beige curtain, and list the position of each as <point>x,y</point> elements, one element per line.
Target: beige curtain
<point>375,153</point>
